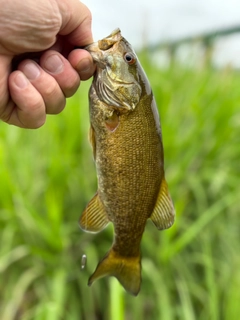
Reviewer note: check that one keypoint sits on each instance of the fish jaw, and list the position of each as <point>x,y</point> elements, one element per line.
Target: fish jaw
<point>96,48</point>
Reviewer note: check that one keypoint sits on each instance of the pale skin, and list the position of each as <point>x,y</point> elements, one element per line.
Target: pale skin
<point>41,36</point>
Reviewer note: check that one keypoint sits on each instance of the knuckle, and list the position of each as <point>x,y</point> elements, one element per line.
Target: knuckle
<point>56,107</point>
<point>61,105</point>
<point>70,87</point>
<point>34,104</point>
<point>37,124</point>
<point>34,115</point>
<point>51,90</point>
<point>32,123</point>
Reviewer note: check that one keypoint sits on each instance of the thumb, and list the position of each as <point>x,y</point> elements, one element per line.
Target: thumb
<point>76,22</point>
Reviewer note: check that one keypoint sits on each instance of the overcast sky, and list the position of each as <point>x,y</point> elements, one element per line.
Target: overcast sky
<point>156,20</point>
<point>161,19</point>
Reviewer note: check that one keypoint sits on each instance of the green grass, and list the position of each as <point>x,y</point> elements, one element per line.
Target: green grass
<point>47,176</point>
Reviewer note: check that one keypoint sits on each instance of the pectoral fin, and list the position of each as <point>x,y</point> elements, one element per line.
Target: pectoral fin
<point>94,217</point>
<point>163,214</point>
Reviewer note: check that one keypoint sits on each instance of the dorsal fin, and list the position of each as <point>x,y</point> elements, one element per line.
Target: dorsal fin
<point>94,217</point>
<point>163,214</point>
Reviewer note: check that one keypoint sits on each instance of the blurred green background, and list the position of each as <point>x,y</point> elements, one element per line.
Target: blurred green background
<point>191,271</point>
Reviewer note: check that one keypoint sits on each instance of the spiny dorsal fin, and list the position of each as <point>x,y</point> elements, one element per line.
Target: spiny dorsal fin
<point>163,214</point>
<point>94,217</point>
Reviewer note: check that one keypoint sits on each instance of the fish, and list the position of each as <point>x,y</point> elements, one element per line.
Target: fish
<point>126,139</point>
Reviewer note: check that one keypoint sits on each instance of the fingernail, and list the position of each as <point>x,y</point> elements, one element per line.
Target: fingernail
<point>31,70</point>
<point>53,64</point>
<point>21,81</point>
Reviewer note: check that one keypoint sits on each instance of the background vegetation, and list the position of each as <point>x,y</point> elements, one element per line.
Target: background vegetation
<point>47,176</point>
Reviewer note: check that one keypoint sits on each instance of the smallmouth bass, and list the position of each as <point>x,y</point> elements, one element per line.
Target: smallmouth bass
<point>127,145</point>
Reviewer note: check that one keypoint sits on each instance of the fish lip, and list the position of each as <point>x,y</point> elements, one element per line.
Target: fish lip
<point>105,43</point>
<point>97,49</point>
<point>114,33</point>
<point>96,54</point>
<point>91,47</point>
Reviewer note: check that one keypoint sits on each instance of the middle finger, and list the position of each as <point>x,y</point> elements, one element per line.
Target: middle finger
<point>45,84</point>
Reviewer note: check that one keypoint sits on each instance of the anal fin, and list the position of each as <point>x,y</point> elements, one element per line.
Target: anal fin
<point>163,214</point>
<point>94,217</point>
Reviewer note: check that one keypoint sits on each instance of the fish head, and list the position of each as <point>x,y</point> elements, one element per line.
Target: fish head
<point>117,79</point>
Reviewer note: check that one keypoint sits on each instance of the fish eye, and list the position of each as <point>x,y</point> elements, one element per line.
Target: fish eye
<point>129,58</point>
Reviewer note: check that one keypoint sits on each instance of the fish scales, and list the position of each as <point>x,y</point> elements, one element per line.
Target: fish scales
<point>127,145</point>
<point>137,185</point>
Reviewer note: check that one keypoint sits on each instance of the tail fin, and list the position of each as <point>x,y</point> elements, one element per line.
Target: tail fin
<point>126,269</point>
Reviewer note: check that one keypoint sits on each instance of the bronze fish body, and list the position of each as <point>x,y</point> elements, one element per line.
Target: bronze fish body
<point>126,138</point>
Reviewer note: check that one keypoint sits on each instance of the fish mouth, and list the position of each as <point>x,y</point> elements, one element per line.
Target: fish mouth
<point>96,48</point>
<point>98,57</point>
<point>106,43</point>
<point>96,54</point>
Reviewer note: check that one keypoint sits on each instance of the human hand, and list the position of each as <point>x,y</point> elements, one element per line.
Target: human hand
<point>39,37</point>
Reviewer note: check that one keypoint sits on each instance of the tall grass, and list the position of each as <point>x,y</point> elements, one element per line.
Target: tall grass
<point>47,176</point>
